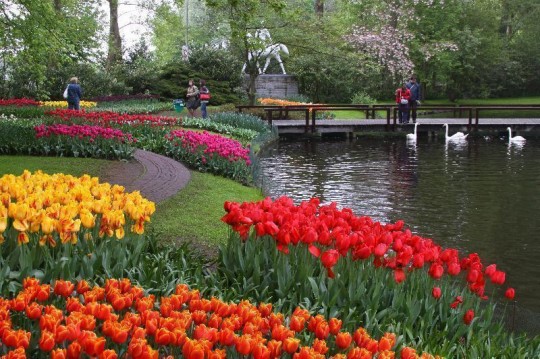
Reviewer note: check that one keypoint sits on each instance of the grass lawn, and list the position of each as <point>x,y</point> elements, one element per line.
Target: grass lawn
<point>193,214</point>
<point>75,166</point>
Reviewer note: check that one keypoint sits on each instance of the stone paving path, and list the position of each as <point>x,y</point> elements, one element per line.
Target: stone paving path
<point>157,177</point>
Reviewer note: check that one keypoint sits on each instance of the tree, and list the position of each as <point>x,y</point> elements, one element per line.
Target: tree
<point>115,40</point>
<point>243,17</point>
<point>40,36</point>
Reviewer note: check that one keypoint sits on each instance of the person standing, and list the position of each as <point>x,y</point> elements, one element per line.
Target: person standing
<point>192,95</point>
<point>205,97</point>
<point>414,88</point>
<point>403,96</point>
<point>74,94</point>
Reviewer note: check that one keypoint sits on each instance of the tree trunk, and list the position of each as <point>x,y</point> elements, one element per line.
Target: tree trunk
<point>319,7</point>
<point>58,5</point>
<point>115,41</point>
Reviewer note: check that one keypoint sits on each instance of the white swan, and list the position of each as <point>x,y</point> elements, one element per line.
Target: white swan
<point>458,136</point>
<point>412,136</point>
<point>515,139</point>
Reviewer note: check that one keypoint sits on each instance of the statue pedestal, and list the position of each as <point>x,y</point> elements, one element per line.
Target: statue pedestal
<point>275,85</point>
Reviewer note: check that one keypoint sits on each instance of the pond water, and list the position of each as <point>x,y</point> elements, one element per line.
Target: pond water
<point>481,197</point>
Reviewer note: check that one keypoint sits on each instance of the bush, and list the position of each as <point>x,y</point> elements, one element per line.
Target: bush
<point>362,98</point>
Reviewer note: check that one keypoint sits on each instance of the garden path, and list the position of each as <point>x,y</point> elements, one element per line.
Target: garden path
<point>157,177</point>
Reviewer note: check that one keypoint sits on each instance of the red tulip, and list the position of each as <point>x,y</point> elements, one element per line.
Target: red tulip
<point>343,340</point>
<point>329,259</point>
<point>510,293</point>
<point>468,317</point>
<point>399,275</point>
<point>436,292</point>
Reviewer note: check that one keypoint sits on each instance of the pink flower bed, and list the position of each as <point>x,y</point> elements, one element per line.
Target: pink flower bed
<point>83,131</point>
<point>224,147</point>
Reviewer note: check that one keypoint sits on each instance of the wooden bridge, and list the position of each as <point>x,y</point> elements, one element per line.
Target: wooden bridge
<point>313,119</point>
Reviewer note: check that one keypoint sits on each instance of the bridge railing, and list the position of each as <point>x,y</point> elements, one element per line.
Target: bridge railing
<point>310,111</point>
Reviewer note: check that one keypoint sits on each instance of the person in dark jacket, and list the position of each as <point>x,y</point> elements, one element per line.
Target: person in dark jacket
<point>414,88</point>
<point>74,94</point>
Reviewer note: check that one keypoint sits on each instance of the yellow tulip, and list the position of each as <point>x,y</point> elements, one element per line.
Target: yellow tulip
<point>48,225</point>
<point>87,219</point>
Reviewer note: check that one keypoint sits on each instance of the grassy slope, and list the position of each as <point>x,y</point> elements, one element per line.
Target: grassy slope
<point>195,212</point>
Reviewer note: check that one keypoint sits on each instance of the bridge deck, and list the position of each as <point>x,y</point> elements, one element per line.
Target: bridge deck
<point>425,124</point>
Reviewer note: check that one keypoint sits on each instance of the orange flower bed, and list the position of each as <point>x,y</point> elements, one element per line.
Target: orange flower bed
<point>71,320</point>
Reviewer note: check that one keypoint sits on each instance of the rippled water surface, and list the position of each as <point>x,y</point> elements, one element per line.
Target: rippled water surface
<point>480,197</point>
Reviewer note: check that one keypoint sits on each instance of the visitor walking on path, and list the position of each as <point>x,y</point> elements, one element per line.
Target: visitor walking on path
<point>192,98</point>
<point>74,94</point>
<point>205,97</point>
<point>403,96</point>
<point>414,101</point>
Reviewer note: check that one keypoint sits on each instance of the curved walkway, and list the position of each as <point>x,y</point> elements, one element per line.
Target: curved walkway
<point>157,177</point>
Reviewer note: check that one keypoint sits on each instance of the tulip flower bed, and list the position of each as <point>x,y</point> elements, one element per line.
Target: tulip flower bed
<point>108,118</point>
<point>210,153</point>
<point>71,320</point>
<point>384,276</point>
<point>62,226</point>
<point>84,141</point>
<point>64,104</point>
<point>19,102</point>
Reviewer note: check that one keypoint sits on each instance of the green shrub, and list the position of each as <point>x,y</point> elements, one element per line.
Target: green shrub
<point>362,98</point>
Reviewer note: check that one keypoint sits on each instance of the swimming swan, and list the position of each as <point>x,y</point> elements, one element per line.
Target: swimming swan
<point>458,136</point>
<point>412,136</point>
<point>514,139</point>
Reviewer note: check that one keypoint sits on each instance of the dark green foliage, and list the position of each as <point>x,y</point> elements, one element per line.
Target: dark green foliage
<point>218,67</point>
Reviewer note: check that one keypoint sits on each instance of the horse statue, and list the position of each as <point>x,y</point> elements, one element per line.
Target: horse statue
<point>270,51</point>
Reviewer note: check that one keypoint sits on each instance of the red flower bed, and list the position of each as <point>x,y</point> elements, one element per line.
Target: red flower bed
<point>73,321</point>
<point>19,102</point>
<point>330,234</point>
<point>83,131</point>
<point>105,118</point>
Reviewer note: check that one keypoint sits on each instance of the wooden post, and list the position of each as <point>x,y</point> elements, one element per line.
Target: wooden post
<point>387,119</point>
<point>470,120</point>
<point>269,116</point>
<point>476,119</point>
<point>313,116</point>
<point>307,121</point>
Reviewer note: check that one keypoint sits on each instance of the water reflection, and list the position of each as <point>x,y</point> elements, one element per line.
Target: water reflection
<point>478,196</point>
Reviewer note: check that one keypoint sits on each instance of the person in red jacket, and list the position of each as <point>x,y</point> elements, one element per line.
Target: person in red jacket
<point>403,96</point>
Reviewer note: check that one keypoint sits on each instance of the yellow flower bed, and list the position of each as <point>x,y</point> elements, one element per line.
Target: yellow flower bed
<point>62,206</point>
<point>64,104</point>
<point>278,102</point>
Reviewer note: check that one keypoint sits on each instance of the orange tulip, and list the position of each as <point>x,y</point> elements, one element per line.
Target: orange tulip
<point>290,345</point>
<point>320,346</point>
<point>33,311</point>
<point>275,348</point>
<point>343,340</point>
<point>408,353</point>
<point>297,323</point>
<point>18,353</point>
<point>46,341</point>
<point>260,351</point>
<point>74,350</point>
<point>59,354</point>
<point>108,354</point>
<point>63,288</point>
<point>335,325</point>
<point>359,353</point>
<point>243,344</point>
